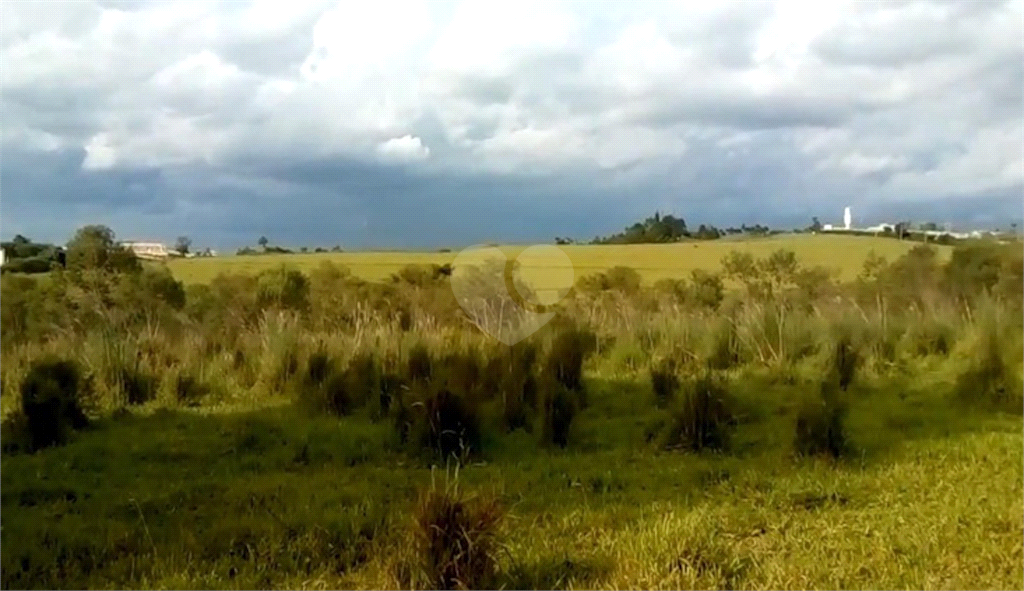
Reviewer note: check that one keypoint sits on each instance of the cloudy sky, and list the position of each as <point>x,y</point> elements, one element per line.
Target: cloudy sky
<point>409,123</point>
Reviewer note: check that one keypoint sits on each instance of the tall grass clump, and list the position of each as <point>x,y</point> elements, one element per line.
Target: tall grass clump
<point>419,363</point>
<point>989,377</point>
<point>702,417</point>
<point>456,540</point>
<point>819,424</point>
<point>440,421</point>
<point>722,345</point>
<point>820,418</point>
<point>560,408</point>
<point>564,362</point>
<point>280,360</point>
<point>52,402</point>
<point>665,383</point>
<point>509,375</point>
<point>322,387</point>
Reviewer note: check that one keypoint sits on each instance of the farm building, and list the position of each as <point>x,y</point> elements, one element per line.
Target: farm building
<point>149,250</point>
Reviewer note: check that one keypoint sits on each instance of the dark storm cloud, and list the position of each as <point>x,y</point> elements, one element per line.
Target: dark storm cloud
<point>200,121</point>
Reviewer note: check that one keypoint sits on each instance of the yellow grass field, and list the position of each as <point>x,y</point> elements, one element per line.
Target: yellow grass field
<point>843,253</point>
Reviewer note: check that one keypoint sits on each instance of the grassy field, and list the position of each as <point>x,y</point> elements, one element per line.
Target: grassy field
<point>843,254</point>
<point>273,498</point>
<point>309,431</point>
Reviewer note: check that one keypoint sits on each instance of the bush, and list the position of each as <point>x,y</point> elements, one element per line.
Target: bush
<point>51,400</point>
<point>391,389</point>
<point>29,265</point>
<point>988,378</point>
<point>461,373</point>
<point>706,289</point>
<point>508,374</point>
<point>724,345</point>
<point>844,363</point>
<point>15,433</point>
<point>282,288</point>
<point>560,406</point>
<point>665,383</point>
<point>419,364</point>
<point>456,540</point>
<point>625,280</point>
<point>322,388</point>
<point>363,378</point>
<point>819,425</point>
<point>449,425</point>
<point>189,390</point>
<point>564,363</point>
<point>702,418</point>
<point>137,386</point>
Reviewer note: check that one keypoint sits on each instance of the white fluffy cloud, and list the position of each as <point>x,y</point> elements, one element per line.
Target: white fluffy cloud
<point>895,101</point>
<point>405,148</point>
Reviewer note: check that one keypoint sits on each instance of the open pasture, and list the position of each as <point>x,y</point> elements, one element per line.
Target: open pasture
<point>843,254</point>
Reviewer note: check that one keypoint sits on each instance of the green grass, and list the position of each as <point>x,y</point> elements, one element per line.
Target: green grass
<point>844,254</point>
<point>249,490</point>
<point>275,499</point>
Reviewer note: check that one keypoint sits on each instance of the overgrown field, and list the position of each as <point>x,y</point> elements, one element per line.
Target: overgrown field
<point>842,253</point>
<point>756,423</point>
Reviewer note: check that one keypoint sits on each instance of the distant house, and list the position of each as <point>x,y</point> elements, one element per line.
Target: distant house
<point>2,257</point>
<point>150,250</point>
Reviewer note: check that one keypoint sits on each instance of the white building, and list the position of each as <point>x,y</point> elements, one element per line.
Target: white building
<point>847,219</point>
<point>149,250</point>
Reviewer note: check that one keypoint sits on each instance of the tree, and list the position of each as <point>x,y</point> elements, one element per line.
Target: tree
<point>263,242</point>
<point>93,247</point>
<point>815,224</point>
<point>183,244</point>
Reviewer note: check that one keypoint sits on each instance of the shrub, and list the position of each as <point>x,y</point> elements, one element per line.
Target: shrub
<point>564,363</point>
<point>15,433</point>
<point>625,280</point>
<point>282,288</point>
<point>28,265</point>
<point>706,289</point>
<point>319,367</point>
<point>323,388</point>
<point>723,345</point>
<point>391,388</point>
<point>702,418</point>
<point>449,425</point>
<point>988,378</point>
<point>137,386</point>
<point>461,373</point>
<point>189,390</point>
<point>508,374</point>
<point>51,400</point>
<point>363,378</point>
<point>819,424</point>
<point>844,363</point>
<point>665,383</point>
<point>560,406</point>
<point>419,364</point>
<point>456,540</point>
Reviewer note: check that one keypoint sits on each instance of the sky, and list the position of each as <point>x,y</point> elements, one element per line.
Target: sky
<point>425,123</point>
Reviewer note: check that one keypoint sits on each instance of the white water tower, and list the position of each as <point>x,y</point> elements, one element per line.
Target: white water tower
<point>847,218</point>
